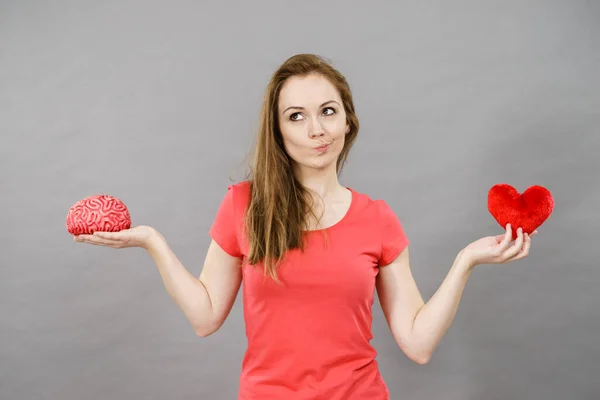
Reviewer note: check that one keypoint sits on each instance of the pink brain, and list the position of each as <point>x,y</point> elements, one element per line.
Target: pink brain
<point>98,213</point>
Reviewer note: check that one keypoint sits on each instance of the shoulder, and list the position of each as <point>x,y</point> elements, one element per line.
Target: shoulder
<point>374,207</point>
<point>235,199</point>
<point>387,228</point>
<point>239,192</point>
<point>240,187</point>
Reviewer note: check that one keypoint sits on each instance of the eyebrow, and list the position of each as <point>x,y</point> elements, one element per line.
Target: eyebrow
<point>302,108</point>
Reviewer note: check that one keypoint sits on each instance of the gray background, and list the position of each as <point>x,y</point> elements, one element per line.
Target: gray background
<point>157,103</point>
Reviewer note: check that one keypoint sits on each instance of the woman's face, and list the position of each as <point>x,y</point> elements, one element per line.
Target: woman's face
<point>312,121</point>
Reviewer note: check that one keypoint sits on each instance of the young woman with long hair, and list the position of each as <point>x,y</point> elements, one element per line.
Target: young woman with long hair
<point>310,254</point>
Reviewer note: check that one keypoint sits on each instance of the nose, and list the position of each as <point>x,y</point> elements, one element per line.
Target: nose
<point>315,128</point>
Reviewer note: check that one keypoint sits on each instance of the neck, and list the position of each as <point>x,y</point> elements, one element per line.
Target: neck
<point>322,182</point>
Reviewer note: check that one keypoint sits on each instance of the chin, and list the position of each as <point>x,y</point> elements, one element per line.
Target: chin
<point>323,164</point>
<point>319,165</point>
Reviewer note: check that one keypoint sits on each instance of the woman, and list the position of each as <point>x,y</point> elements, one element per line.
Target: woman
<point>310,253</point>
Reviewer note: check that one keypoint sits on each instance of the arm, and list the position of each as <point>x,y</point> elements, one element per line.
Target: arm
<point>418,327</point>
<point>206,301</point>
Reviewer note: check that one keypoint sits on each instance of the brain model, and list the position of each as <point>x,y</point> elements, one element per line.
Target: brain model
<point>98,213</point>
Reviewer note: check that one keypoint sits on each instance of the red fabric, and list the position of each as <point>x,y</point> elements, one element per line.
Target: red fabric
<point>528,210</point>
<point>309,338</point>
<point>98,213</point>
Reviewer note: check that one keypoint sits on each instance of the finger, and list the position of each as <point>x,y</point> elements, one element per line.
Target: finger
<point>533,233</point>
<point>506,240</point>
<point>527,245</point>
<point>513,250</point>
<point>91,239</point>
<point>524,250</point>
<point>109,235</point>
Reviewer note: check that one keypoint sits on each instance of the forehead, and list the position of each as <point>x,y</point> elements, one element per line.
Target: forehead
<point>307,91</point>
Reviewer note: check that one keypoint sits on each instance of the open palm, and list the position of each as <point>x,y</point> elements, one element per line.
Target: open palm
<point>138,236</point>
<point>499,249</point>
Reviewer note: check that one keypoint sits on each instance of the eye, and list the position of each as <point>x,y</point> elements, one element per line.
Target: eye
<point>330,109</point>
<point>294,116</point>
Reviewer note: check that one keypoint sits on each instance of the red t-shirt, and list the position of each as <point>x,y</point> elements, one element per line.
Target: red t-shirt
<point>309,337</point>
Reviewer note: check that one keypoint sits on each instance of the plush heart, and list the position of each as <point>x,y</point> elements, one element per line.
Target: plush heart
<point>528,210</point>
<point>98,213</point>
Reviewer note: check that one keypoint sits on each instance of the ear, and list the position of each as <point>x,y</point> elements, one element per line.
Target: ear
<point>347,129</point>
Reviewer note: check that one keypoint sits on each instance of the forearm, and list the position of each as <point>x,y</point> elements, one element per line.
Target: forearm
<point>435,318</point>
<point>188,291</point>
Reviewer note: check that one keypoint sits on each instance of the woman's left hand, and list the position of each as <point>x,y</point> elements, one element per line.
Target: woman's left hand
<point>498,249</point>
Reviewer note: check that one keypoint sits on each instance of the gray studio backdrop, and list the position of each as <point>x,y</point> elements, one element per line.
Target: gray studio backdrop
<point>157,103</point>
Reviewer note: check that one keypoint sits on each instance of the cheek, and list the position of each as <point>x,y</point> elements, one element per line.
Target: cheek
<point>292,137</point>
<point>338,144</point>
<point>292,141</point>
<point>335,126</point>
<point>338,133</point>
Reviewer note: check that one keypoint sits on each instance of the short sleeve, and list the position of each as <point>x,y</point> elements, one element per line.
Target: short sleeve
<point>224,228</point>
<point>393,237</point>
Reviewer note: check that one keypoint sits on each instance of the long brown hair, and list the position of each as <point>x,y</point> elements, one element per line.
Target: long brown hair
<point>275,219</point>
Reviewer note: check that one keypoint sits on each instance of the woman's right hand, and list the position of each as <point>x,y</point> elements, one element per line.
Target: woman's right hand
<point>139,236</point>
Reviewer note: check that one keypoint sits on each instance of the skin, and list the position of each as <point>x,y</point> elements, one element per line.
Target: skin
<point>311,114</point>
<point>417,327</point>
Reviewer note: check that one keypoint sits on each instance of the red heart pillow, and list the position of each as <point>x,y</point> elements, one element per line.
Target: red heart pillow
<point>528,210</point>
<point>98,213</point>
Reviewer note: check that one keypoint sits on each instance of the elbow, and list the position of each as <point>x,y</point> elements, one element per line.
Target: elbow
<point>421,359</point>
<point>419,355</point>
<point>202,333</point>
<point>205,330</point>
